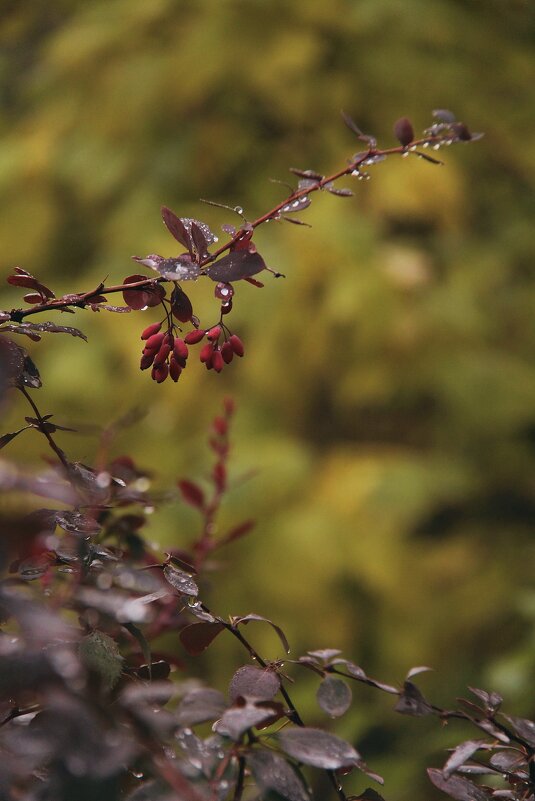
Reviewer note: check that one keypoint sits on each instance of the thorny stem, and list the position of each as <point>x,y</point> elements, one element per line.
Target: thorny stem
<point>42,428</point>
<point>84,298</point>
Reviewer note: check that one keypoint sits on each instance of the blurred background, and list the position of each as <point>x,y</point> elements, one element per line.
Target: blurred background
<point>386,403</point>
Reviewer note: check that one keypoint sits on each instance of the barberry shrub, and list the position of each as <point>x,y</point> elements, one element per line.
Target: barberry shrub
<point>90,707</point>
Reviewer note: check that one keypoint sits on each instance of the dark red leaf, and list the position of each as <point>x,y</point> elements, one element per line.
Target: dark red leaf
<point>463,752</point>
<point>149,295</point>
<point>318,748</point>
<point>176,228</point>
<point>181,305</point>
<point>236,720</point>
<point>197,637</point>
<point>412,702</point>
<point>201,245</point>
<point>235,266</point>
<point>191,493</point>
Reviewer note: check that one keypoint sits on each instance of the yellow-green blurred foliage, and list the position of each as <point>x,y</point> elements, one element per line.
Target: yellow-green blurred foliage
<point>387,397</point>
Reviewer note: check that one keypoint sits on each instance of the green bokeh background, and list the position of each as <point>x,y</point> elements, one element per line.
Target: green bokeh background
<point>387,398</point>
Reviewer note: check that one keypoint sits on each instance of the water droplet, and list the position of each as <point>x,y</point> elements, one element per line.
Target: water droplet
<point>137,774</point>
<point>238,209</point>
<point>425,144</point>
<point>437,146</point>
<point>404,155</point>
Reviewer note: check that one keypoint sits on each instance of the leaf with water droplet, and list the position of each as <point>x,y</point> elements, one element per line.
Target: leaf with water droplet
<point>318,748</point>
<point>180,580</point>
<point>236,265</point>
<point>201,705</point>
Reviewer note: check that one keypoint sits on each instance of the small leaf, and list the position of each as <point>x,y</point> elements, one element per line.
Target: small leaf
<point>247,618</point>
<point>275,778</point>
<point>235,721</point>
<point>181,305</point>
<point>457,787</point>
<point>524,728</point>
<point>77,523</point>
<point>298,204</point>
<point>197,637</point>
<point>463,752</point>
<point>236,265</point>
<point>359,674</point>
<point>416,670</point>
<point>201,245</point>
<point>180,580</point>
<point>30,374</point>
<point>201,705</point>
<point>6,438</point>
<point>176,228</point>
<point>412,702</point>
<point>318,748</point>
<point>351,124</point>
<point>191,493</point>
<point>261,684</point>
<point>309,175</point>
<point>403,131</point>
<point>326,654</point>
<point>142,297</point>
<point>492,700</point>
<point>334,696</point>
<point>340,192</point>
<point>142,640</point>
<point>101,654</point>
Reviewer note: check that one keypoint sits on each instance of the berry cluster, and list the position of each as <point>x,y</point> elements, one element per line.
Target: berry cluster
<point>166,353</point>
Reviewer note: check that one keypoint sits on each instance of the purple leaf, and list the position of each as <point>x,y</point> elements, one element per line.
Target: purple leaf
<point>492,701</point>
<point>51,328</point>
<point>317,748</point>
<point>261,684</point>
<point>275,777</point>
<point>298,204</point>
<point>325,653</point>
<point>247,618</point>
<point>236,265</point>
<point>180,580</point>
<point>142,297</point>
<point>6,438</point>
<point>412,702</point>
<point>415,671</point>
<point>176,228</point>
<point>359,674</point>
<point>444,115</point>
<point>524,728</point>
<point>201,245</point>
<point>77,523</point>
<point>200,705</point>
<point>310,175</point>
<point>236,720</point>
<point>457,787</point>
<point>463,752</point>
<point>334,696</point>
<point>197,637</point>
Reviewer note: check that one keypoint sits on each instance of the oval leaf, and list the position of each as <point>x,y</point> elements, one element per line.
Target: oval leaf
<point>457,787</point>
<point>236,265</point>
<point>318,748</point>
<point>180,580</point>
<point>273,775</point>
<point>201,705</point>
<point>334,696</point>
<point>253,682</point>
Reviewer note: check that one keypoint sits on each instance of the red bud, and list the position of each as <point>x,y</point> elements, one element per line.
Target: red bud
<point>150,330</point>
<point>237,345</point>
<point>192,337</point>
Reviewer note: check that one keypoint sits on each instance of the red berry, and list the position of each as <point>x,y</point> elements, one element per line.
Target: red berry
<point>206,353</point>
<point>174,369</point>
<point>226,352</point>
<point>162,355</point>
<point>146,360</point>
<point>154,342</point>
<point>217,361</point>
<point>150,330</point>
<point>214,333</point>
<point>237,345</point>
<point>192,337</point>
<point>180,349</point>
<point>160,373</point>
